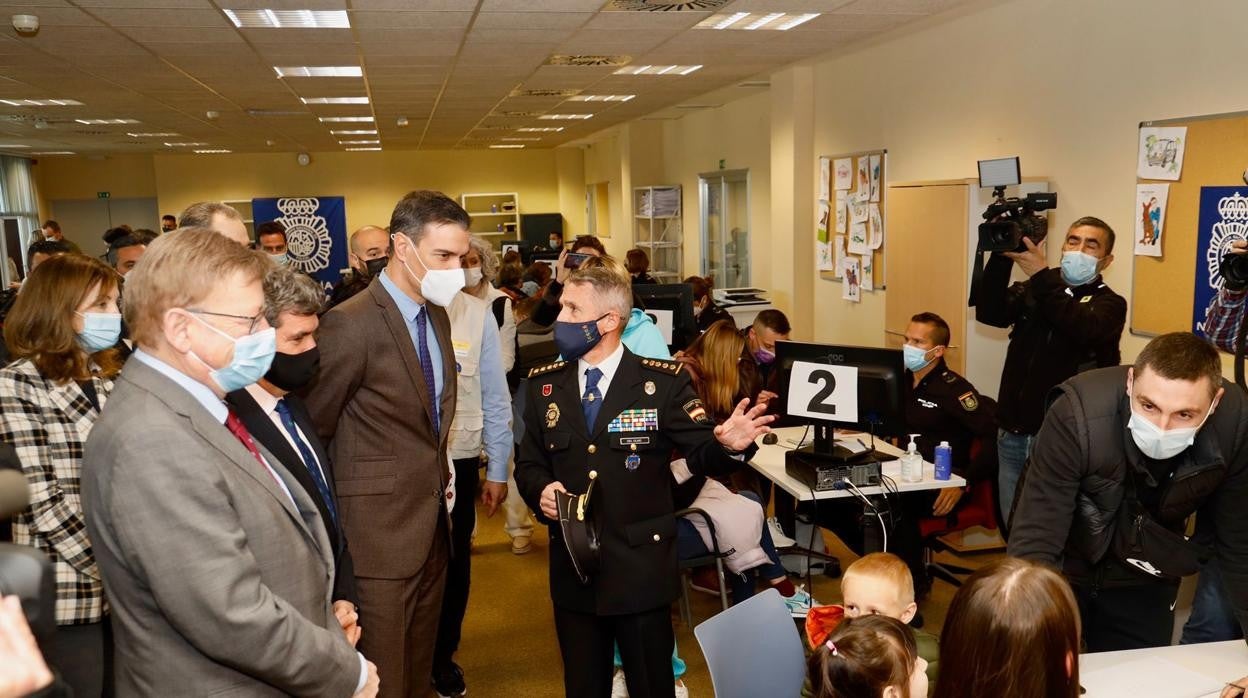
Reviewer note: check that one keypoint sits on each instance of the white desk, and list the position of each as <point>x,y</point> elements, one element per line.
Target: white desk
<point>769,461</point>
<point>1180,671</point>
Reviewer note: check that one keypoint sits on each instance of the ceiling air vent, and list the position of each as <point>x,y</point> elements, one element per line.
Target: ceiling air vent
<point>544,93</point>
<point>666,5</point>
<point>84,132</point>
<point>754,83</point>
<point>588,61</point>
<point>275,112</point>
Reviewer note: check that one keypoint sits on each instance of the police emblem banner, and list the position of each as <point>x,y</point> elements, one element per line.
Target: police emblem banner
<point>1223,220</point>
<point>316,233</point>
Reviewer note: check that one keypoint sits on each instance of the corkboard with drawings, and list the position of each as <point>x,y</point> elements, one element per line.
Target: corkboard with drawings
<point>869,181</point>
<point>1163,289</point>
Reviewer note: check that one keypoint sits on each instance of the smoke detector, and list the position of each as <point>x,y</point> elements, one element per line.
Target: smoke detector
<point>26,24</point>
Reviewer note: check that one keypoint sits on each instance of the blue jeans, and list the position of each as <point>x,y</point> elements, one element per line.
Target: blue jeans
<point>1012,452</point>
<point>1212,619</point>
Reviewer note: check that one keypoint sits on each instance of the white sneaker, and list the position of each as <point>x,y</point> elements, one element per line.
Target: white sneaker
<point>619,688</point>
<point>682,691</point>
<point>777,534</point>
<point>800,602</point>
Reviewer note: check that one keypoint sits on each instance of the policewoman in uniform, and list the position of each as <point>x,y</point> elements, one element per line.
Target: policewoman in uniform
<point>940,406</point>
<point>607,414</point>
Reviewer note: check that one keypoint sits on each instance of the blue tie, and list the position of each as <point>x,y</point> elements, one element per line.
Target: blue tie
<point>426,363</point>
<point>309,460</point>
<point>591,401</point>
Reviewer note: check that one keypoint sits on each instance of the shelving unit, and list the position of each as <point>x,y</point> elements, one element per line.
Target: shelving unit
<point>657,230</point>
<point>494,213</point>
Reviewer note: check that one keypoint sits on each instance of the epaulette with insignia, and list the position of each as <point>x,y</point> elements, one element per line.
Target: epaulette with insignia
<point>951,377</point>
<point>547,368</point>
<point>672,367</point>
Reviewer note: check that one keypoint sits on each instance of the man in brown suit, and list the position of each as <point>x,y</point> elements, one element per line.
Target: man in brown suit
<point>384,402</point>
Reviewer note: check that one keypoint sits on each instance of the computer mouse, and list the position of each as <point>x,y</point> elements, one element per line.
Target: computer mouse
<point>770,438</point>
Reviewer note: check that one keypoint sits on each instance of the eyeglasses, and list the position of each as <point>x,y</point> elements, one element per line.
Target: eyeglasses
<point>252,321</point>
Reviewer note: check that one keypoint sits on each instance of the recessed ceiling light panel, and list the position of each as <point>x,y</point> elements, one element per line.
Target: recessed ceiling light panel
<point>506,145</point>
<point>106,122</point>
<point>359,132</point>
<point>374,142</point>
<point>162,134</point>
<point>211,151</point>
<point>347,119</point>
<point>361,150</point>
<point>751,21</point>
<point>323,71</point>
<point>289,19</point>
<point>41,102</point>
<point>601,98</point>
<point>566,117</point>
<point>658,70</point>
<point>334,100</point>
<point>541,129</point>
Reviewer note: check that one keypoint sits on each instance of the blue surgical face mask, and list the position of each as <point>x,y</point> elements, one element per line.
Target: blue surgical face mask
<point>280,260</point>
<point>253,354</point>
<point>915,358</point>
<point>99,331</point>
<point>576,339</point>
<point>1078,268</point>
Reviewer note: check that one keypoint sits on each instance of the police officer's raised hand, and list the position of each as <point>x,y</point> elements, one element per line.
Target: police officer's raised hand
<point>1031,261</point>
<point>550,507</point>
<point>739,431</point>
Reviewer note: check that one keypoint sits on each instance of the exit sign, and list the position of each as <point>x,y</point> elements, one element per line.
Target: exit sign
<point>101,195</point>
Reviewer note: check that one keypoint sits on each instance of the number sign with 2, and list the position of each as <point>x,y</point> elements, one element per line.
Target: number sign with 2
<point>823,391</point>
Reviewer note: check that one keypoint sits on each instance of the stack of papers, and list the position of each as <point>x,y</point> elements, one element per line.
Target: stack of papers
<point>660,202</point>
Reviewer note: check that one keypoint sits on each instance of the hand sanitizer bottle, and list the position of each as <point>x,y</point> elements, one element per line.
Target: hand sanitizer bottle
<point>944,461</point>
<point>912,462</point>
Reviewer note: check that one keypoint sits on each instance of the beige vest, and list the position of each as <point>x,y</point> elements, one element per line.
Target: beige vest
<point>467,315</point>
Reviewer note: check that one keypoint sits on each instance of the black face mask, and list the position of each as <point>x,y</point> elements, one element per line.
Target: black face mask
<point>373,267</point>
<point>291,372</point>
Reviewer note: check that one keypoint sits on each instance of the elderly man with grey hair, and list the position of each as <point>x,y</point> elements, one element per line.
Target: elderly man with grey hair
<point>279,420</point>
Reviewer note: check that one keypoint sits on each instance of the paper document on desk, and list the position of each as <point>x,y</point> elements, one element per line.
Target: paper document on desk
<point>1152,677</point>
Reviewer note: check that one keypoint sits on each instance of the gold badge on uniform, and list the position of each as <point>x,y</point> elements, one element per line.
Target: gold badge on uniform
<point>552,415</point>
<point>649,388</point>
<point>969,402</point>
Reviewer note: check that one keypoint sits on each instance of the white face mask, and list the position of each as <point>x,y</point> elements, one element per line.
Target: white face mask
<point>473,276</point>
<point>1158,443</point>
<point>439,285</point>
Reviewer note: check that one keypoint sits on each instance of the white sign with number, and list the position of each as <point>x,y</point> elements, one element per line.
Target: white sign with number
<point>823,391</point>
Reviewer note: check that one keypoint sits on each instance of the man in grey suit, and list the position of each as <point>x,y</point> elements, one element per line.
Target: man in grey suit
<point>216,563</point>
<point>384,405</point>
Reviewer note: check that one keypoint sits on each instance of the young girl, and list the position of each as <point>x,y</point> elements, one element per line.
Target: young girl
<point>868,657</point>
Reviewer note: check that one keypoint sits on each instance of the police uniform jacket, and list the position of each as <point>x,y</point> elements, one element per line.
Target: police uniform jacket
<point>944,406</point>
<point>649,412</point>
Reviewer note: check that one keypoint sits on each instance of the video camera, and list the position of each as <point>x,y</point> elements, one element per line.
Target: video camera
<point>24,571</point>
<point>1008,221</point>
<point>1234,271</point>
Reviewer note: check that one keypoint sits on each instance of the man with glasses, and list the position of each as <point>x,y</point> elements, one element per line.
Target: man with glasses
<point>216,562</point>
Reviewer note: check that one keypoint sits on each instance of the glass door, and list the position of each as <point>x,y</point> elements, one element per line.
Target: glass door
<point>725,212</point>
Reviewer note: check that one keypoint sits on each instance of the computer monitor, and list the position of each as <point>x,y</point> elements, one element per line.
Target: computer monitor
<point>826,387</point>
<point>671,308</point>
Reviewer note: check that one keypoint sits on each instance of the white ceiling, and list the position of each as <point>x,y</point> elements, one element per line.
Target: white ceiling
<point>448,66</point>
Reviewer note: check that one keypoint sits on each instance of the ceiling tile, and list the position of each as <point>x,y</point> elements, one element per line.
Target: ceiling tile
<point>411,20</point>
<point>531,20</point>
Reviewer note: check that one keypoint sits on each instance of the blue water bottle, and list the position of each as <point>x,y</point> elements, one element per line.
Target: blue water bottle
<point>944,461</point>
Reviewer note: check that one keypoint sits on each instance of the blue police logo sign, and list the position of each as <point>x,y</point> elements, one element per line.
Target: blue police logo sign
<point>316,233</point>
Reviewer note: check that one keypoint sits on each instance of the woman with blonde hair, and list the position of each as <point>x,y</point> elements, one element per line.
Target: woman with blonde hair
<point>61,333</point>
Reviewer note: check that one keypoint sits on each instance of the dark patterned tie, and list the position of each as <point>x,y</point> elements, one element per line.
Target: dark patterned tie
<point>426,363</point>
<point>591,401</point>
<point>235,425</point>
<point>309,460</point>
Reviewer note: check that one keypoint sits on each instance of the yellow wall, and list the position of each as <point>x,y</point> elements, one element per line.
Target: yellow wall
<point>123,176</point>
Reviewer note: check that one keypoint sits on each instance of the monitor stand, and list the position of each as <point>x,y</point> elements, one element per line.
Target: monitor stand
<point>826,451</point>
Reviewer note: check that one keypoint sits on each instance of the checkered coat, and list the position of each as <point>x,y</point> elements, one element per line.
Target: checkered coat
<point>48,424</point>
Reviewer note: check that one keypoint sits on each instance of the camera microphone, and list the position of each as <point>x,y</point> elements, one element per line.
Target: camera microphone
<point>14,493</point>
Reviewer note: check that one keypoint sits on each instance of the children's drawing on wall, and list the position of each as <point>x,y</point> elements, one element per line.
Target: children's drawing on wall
<point>844,168</point>
<point>840,211</point>
<point>1150,217</point>
<point>864,178</point>
<point>851,286</point>
<point>825,178</point>
<point>821,230</point>
<point>858,208</point>
<point>824,259</point>
<point>867,282</point>
<point>875,223</point>
<point>1161,152</point>
<point>838,255</point>
<point>875,177</point>
<point>858,243</point>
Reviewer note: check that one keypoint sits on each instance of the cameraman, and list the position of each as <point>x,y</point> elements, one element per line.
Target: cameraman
<point>1065,320</point>
<point>1226,312</point>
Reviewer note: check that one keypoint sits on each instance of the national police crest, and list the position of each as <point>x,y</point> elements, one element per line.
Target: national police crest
<point>308,242</point>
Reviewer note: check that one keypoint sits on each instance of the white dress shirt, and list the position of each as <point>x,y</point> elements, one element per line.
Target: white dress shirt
<point>608,366</point>
<point>268,402</point>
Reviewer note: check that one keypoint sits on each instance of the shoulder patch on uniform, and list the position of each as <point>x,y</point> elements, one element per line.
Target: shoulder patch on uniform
<point>969,401</point>
<point>671,367</point>
<point>696,411</point>
<point>547,368</point>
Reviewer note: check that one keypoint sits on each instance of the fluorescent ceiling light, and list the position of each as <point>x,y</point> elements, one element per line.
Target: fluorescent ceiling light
<point>190,144</point>
<point>507,145</point>
<point>658,70</point>
<point>321,71</point>
<point>106,122</point>
<point>544,129</point>
<point>535,138</point>
<point>359,150</point>
<point>286,19</point>
<point>211,151</point>
<point>41,102</point>
<point>12,146</point>
<point>565,117</point>
<point>748,21</point>
<point>346,119</point>
<point>601,98</point>
<point>162,134</point>
<point>56,152</point>
<point>358,142</point>
<point>334,100</point>
<point>362,132</point>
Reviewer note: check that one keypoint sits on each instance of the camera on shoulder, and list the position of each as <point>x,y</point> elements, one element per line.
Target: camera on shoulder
<point>1234,271</point>
<point>1008,220</point>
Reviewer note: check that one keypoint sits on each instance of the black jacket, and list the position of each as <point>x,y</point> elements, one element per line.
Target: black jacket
<point>1074,484</point>
<point>632,499</point>
<point>1058,331</point>
<point>711,314</point>
<point>266,432</point>
<point>944,406</point>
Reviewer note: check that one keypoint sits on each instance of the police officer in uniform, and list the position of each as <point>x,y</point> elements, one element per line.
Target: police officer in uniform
<point>607,414</point>
<point>940,406</point>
